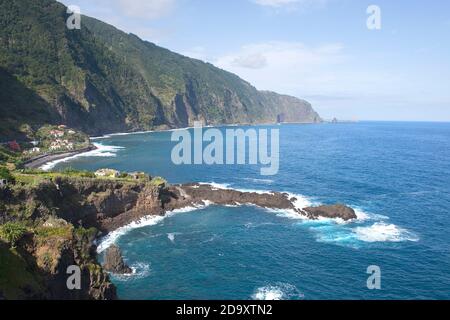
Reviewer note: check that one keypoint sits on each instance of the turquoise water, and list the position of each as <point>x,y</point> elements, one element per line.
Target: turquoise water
<point>395,174</point>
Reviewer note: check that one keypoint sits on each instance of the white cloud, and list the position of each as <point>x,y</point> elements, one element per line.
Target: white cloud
<point>325,75</point>
<point>285,66</point>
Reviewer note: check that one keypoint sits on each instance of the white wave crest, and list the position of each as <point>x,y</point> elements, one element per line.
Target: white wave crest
<point>300,201</point>
<point>227,186</point>
<point>259,181</point>
<point>382,232</point>
<point>139,270</point>
<point>220,186</point>
<point>112,237</point>
<point>171,236</point>
<point>365,216</point>
<point>279,291</point>
<point>100,151</point>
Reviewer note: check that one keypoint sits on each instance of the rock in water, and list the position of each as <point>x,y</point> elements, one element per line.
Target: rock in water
<point>114,261</point>
<point>336,211</point>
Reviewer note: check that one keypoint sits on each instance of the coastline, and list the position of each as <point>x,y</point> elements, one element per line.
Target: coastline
<point>196,196</point>
<point>45,159</point>
<point>108,135</point>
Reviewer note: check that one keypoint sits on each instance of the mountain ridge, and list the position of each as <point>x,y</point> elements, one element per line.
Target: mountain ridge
<point>101,80</point>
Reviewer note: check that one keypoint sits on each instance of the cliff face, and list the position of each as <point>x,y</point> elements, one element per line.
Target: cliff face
<point>87,202</point>
<point>99,79</point>
<point>63,217</point>
<point>36,267</point>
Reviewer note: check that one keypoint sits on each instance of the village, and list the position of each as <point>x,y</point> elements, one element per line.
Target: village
<point>47,140</point>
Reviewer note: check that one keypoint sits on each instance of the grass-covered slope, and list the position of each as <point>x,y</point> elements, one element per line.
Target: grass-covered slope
<point>100,79</point>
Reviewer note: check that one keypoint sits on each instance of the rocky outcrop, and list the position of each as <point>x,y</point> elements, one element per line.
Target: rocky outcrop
<point>111,204</point>
<point>197,194</point>
<point>114,261</point>
<point>335,211</point>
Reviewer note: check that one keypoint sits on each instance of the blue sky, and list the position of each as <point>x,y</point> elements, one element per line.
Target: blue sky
<point>319,50</point>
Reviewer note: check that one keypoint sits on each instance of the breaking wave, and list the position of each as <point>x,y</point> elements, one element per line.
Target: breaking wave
<point>100,151</point>
<point>112,237</point>
<point>383,232</point>
<point>139,270</point>
<point>278,291</point>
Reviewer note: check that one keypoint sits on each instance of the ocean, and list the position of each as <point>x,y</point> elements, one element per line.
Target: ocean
<point>396,175</point>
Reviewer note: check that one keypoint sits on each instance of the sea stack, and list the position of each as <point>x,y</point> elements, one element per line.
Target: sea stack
<point>114,261</point>
<point>335,211</point>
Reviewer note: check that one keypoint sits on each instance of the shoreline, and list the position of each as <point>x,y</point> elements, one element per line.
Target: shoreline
<point>115,134</point>
<point>42,160</point>
<point>196,196</point>
<point>46,159</point>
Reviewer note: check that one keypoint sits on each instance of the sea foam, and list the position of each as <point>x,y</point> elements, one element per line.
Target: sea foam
<point>278,291</point>
<point>100,151</point>
<point>139,270</point>
<point>383,232</point>
<point>112,237</point>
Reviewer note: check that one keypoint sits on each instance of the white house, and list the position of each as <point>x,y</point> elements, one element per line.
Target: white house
<point>109,173</point>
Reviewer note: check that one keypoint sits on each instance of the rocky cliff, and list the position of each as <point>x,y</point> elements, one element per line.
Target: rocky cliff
<point>101,80</point>
<point>60,219</point>
<point>52,223</point>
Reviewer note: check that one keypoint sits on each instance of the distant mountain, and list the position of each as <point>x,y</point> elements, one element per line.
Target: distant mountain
<point>101,80</point>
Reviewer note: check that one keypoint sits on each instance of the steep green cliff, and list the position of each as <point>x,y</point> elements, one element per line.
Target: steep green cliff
<point>100,79</point>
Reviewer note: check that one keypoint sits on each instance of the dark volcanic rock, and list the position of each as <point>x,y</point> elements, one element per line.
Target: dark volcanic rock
<point>114,261</point>
<point>195,194</point>
<point>334,211</point>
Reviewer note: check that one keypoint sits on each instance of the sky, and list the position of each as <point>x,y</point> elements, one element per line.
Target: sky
<point>319,50</point>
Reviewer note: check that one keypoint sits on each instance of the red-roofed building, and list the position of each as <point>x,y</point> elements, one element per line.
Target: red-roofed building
<point>14,146</point>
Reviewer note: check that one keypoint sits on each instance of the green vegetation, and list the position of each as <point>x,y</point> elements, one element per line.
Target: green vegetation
<point>16,275</point>
<point>12,232</point>
<point>7,155</point>
<point>36,176</point>
<point>6,174</point>
<point>159,182</point>
<point>35,239</point>
<point>71,172</point>
<point>83,232</point>
<point>43,232</point>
